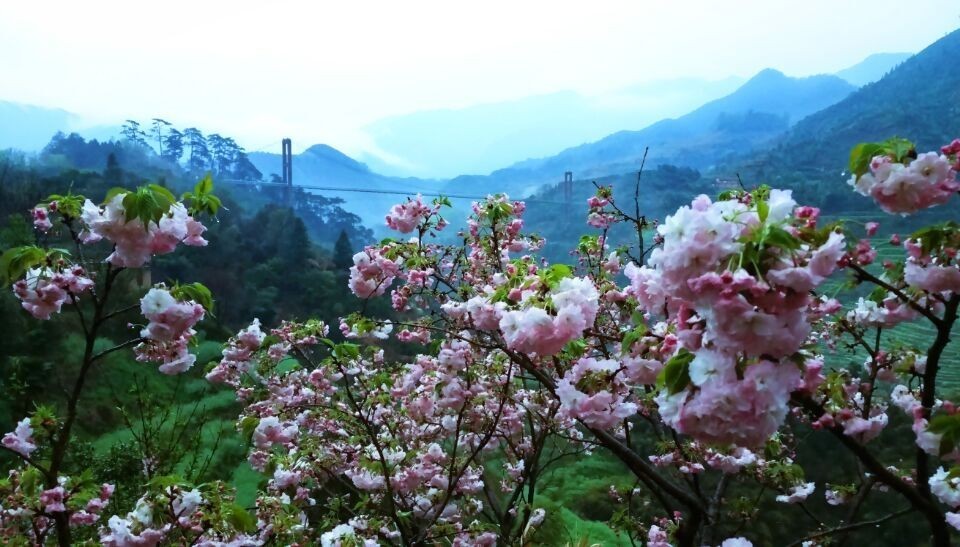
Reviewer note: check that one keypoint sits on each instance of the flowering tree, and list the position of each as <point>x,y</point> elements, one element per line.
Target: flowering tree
<point>42,501</point>
<point>698,369</point>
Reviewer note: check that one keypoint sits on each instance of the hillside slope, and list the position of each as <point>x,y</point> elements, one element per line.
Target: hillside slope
<point>919,99</point>
<point>751,117</point>
<point>872,68</point>
<point>29,128</point>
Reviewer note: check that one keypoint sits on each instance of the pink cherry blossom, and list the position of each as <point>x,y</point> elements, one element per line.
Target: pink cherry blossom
<point>592,393</point>
<point>405,217</point>
<point>135,242</point>
<point>371,273</point>
<point>928,180</point>
<point>53,499</point>
<point>21,439</point>
<point>41,219</point>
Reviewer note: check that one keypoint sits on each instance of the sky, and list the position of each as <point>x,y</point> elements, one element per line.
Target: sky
<point>320,71</point>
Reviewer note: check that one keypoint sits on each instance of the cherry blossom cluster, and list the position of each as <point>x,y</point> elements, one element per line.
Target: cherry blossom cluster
<point>543,324</point>
<point>168,332</point>
<point>932,264</point>
<point>179,514</point>
<point>598,213</point>
<point>415,442</point>
<point>945,485</point>
<point>43,291</point>
<point>372,272</point>
<point>593,392</point>
<point>510,364</point>
<point>21,440</point>
<point>238,354</point>
<point>408,216</point>
<point>41,216</point>
<point>910,183</point>
<point>136,241</point>
<point>734,277</point>
<point>30,507</point>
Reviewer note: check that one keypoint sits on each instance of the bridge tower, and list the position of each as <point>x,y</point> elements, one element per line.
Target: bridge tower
<point>287,158</point>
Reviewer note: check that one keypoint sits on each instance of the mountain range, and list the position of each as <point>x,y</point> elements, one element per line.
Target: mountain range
<point>28,127</point>
<point>480,138</point>
<point>750,117</point>
<point>872,68</point>
<point>767,114</point>
<point>919,99</point>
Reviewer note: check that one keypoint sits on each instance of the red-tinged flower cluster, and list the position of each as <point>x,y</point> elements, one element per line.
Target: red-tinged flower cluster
<point>41,217</point>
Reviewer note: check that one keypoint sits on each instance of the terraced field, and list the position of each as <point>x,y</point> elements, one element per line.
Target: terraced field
<point>920,333</point>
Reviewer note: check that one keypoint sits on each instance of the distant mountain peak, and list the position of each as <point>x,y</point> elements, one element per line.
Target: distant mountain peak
<point>773,77</point>
<point>872,68</point>
<point>768,74</point>
<point>329,153</point>
<point>914,100</point>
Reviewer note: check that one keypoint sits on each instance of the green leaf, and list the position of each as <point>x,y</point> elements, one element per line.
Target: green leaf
<point>113,192</point>
<point>899,148</point>
<point>166,481</point>
<point>70,205</point>
<point>552,275</point>
<point>675,376</point>
<point>763,210</point>
<point>247,425</point>
<point>162,194</point>
<point>948,426</point>
<point>631,337</point>
<point>778,237</point>
<point>576,348</point>
<point>346,350</point>
<point>198,292</point>
<point>935,237</point>
<point>16,261</point>
<point>148,203</point>
<point>240,519</point>
<point>202,200</point>
<point>29,479</point>
<point>861,156</point>
<point>205,186</point>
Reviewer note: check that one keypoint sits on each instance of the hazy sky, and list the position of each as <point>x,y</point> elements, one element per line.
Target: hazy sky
<point>319,71</point>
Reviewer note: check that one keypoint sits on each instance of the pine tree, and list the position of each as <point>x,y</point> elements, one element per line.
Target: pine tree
<point>343,252</point>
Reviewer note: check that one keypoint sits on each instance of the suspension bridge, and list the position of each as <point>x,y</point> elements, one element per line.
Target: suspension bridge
<point>287,182</point>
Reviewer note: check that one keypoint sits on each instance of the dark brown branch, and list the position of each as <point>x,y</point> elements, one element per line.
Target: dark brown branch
<point>864,275</point>
<point>853,526</point>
